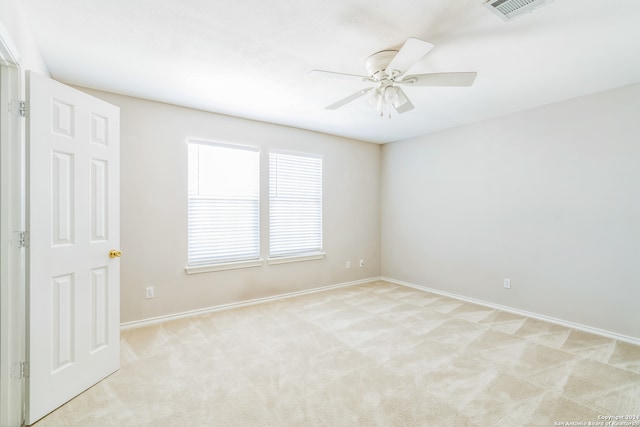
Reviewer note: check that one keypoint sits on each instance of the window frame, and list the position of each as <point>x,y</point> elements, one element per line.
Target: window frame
<point>302,255</point>
<point>264,211</point>
<point>212,265</point>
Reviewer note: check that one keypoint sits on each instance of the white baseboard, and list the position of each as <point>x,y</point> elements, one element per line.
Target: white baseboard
<point>561,322</point>
<point>161,319</point>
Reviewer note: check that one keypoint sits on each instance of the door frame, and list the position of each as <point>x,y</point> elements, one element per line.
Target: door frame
<point>12,269</point>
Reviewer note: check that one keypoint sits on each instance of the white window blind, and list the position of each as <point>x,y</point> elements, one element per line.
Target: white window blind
<point>224,203</point>
<point>295,204</point>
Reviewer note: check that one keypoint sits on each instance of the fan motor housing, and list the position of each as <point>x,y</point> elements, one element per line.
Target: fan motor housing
<point>377,63</point>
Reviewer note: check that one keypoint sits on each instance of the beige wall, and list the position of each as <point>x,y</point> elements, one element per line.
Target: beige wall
<point>154,214</point>
<point>548,197</point>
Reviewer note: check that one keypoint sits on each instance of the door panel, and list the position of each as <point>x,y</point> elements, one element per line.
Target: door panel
<point>73,218</point>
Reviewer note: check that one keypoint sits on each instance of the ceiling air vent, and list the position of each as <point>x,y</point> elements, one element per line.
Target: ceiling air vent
<point>509,9</point>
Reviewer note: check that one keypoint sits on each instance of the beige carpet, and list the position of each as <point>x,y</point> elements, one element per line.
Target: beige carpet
<point>377,354</point>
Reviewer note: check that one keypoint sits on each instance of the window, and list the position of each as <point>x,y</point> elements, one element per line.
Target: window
<point>295,205</point>
<point>224,203</point>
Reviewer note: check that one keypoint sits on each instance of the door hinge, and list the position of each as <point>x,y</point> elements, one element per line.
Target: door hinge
<point>20,370</point>
<point>21,239</point>
<point>21,108</point>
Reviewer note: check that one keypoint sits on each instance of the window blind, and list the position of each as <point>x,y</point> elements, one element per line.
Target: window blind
<point>295,204</point>
<point>224,203</point>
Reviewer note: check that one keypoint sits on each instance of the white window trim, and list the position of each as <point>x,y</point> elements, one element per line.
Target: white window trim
<point>295,258</point>
<point>213,265</point>
<point>190,269</point>
<point>299,256</point>
<point>276,260</point>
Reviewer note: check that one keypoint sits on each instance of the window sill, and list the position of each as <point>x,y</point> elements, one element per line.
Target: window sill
<point>224,266</point>
<point>296,258</point>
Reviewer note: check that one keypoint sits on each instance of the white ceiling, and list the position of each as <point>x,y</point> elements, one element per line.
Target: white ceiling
<point>251,58</point>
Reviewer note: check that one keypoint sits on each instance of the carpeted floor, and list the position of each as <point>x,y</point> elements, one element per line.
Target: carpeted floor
<point>377,354</point>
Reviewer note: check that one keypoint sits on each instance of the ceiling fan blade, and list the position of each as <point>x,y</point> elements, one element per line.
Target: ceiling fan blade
<point>340,76</point>
<point>439,79</point>
<point>348,99</point>
<point>411,52</point>
<point>402,105</point>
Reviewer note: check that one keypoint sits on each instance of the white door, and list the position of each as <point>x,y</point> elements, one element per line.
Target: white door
<point>73,285</point>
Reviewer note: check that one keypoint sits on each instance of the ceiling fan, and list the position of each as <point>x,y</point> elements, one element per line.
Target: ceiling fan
<point>386,71</point>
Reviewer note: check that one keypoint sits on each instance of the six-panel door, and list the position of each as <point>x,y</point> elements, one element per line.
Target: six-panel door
<point>73,222</point>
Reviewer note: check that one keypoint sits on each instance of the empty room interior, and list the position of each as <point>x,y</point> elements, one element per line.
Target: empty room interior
<point>338,213</point>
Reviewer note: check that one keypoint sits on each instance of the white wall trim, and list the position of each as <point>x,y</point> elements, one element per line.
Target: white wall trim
<point>160,319</point>
<point>585,328</point>
<point>295,258</point>
<point>8,51</point>
<point>561,322</point>
<point>12,314</point>
<point>223,266</point>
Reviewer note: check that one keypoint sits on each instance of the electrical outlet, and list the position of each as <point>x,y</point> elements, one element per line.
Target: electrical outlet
<point>348,264</point>
<point>148,292</point>
<point>361,263</point>
<point>507,283</point>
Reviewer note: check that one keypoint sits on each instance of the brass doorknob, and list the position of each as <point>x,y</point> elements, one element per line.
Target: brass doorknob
<point>114,253</point>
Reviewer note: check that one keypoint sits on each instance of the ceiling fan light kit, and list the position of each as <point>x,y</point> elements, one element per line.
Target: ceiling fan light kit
<point>385,95</point>
<point>387,72</point>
